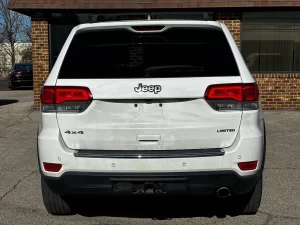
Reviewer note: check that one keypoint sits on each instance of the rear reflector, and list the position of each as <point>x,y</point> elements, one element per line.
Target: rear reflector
<point>238,92</point>
<point>246,166</point>
<point>52,167</point>
<point>147,28</point>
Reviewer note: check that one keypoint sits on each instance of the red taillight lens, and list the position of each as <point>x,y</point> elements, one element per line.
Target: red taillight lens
<point>238,92</point>
<point>245,166</point>
<point>47,96</point>
<point>251,92</point>
<point>147,28</point>
<point>52,167</point>
<point>221,91</point>
<point>63,94</point>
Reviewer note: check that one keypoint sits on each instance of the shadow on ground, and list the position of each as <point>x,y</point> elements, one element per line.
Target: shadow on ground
<point>159,208</point>
<point>7,101</point>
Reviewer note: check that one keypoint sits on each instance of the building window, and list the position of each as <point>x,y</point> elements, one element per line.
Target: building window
<point>271,41</point>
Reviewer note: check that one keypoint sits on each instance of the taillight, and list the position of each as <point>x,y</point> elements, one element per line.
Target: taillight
<point>233,96</point>
<point>220,91</point>
<point>17,74</point>
<point>65,99</point>
<point>251,92</point>
<point>246,166</point>
<point>47,96</point>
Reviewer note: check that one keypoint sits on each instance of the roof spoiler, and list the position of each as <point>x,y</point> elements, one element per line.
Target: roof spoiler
<point>203,16</point>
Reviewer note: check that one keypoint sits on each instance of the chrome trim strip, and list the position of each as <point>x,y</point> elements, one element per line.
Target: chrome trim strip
<point>155,154</point>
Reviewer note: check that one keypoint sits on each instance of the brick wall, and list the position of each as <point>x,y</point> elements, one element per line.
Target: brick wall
<point>40,57</point>
<point>233,22</point>
<point>279,91</point>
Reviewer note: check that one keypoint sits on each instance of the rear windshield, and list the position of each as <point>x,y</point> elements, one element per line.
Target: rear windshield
<point>24,67</point>
<point>177,52</point>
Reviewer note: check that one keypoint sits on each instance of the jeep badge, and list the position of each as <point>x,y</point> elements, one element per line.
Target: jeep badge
<point>151,88</point>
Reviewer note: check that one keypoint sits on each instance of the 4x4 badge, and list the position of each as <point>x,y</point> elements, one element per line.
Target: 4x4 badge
<point>74,132</point>
<point>151,88</point>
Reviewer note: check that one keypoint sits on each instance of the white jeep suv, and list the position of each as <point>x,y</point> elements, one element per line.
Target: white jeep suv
<point>151,107</point>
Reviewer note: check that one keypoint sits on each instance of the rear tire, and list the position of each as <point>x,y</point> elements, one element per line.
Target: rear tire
<point>55,204</point>
<point>249,204</point>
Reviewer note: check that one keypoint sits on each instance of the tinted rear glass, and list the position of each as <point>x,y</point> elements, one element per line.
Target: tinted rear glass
<point>23,67</point>
<point>177,52</point>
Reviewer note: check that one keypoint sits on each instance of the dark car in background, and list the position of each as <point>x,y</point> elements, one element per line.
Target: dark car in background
<point>20,76</point>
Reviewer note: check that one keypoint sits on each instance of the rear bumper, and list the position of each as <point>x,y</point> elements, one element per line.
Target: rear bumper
<point>80,172</point>
<point>21,83</point>
<point>186,183</point>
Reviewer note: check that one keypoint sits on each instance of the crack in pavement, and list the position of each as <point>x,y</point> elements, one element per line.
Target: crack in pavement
<point>272,216</point>
<point>16,185</point>
<point>288,168</point>
<point>32,110</point>
<point>268,220</point>
<point>18,121</point>
<point>22,118</point>
<point>18,138</point>
<point>13,171</point>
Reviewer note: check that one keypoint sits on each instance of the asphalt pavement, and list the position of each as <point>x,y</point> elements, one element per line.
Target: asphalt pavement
<point>21,199</point>
<point>3,85</point>
<point>8,96</point>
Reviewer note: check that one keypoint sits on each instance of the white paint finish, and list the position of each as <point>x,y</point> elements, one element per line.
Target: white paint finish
<point>166,23</point>
<point>191,124</point>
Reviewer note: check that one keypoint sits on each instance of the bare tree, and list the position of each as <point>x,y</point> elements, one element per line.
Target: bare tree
<point>3,63</point>
<point>27,31</point>
<point>14,29</point>
<point>26,54</point>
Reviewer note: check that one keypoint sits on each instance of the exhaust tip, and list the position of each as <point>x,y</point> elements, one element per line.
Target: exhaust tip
<point>223,192</point>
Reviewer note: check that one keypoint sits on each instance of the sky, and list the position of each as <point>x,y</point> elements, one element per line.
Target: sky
<point>27,22</point>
